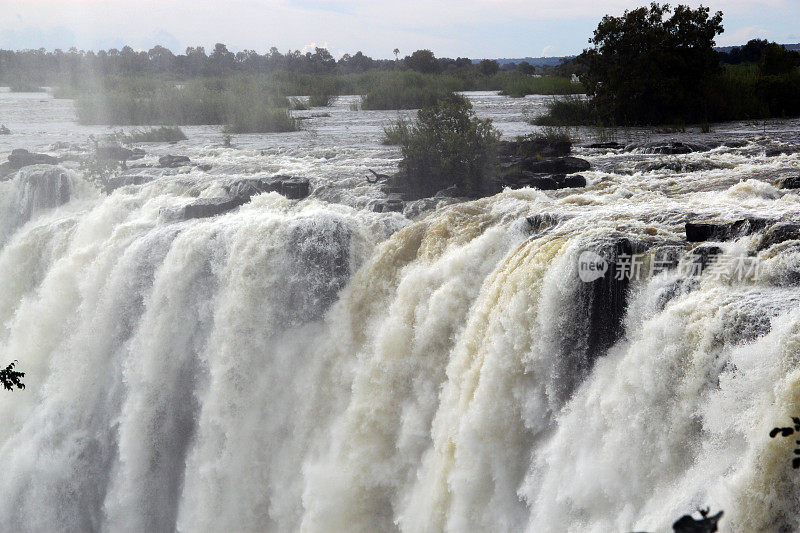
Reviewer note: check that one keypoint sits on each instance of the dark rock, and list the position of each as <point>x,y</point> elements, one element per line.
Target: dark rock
<point>778,233</point>
<point>544,221</point>
<point>46,187</point>
<point>209,207</point>
<point>677,288</point>
<point>22,158</point>
<point>542,182</point>
<point>4,130</point>
<point>173,161</point>
<point>121,181</point>
<point>593,321</point>
<point>389,205</point>
<point>557,165</point>
<point>666,147</point>
<point>687,524</point>
<point>605,146</point>
<point>6,170</point>
<point>247,188</point>
<point>295,189</point>
<point>710,231</point>
<point>792,182</point>
<point>204,167</point>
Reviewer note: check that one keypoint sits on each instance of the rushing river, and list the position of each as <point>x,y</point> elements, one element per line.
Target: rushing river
<point>316,366</point>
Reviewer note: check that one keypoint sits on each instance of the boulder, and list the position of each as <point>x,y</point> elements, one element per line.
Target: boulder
<point>209,207</point>
<point>21,157</point>
<point>556,165</point>
<point>295,189</point>
<point>4,130</point>
<point>707,524</point>
<point>173,161</point>
<point>389,205</point>
<point>667,147</point>
<point>613,145</point>
<point>712,231</point>
<point>792,182</point>
<point>542,181</point>
<point>115,152</point>
<point>535,148</point>
<point>778,233</point>
<point>116,182</point>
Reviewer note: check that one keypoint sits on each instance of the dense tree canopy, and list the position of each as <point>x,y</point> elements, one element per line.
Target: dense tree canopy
<point>653,64</point>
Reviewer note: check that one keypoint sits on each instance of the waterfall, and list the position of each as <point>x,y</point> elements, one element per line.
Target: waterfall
<point>311,366</point>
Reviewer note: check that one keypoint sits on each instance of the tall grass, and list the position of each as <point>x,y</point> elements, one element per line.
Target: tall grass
<point>242,103</point>
<point>407,91</point>
<point>518,85</point>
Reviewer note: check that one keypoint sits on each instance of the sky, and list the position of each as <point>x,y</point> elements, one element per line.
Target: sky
<point>467,28</point>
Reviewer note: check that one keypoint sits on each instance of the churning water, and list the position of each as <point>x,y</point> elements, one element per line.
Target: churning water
<point>316,366</point>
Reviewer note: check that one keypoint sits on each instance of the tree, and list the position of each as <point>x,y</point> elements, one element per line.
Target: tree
<point>653,65</point>
<point>776,60</point>
<point>396,52</point>
<point>526,68</point>
<point>422,61</point>
<point>488,67</point>
<point>448,145</point>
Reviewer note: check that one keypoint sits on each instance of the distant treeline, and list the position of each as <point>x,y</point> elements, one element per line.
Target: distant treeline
<point>59,67</point>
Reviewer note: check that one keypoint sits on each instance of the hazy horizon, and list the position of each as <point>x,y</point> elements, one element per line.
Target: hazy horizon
<point>476,29</point>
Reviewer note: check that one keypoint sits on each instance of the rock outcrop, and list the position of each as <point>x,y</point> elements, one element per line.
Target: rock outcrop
<point>239,193</point>
<point>714,231</point>
<point>21,157</point>
<point>173,161</point>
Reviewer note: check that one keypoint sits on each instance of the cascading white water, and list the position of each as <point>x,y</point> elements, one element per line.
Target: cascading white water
<point>312,366</point>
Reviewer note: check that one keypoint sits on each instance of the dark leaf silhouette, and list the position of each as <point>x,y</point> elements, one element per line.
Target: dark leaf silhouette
<point>10,378</point>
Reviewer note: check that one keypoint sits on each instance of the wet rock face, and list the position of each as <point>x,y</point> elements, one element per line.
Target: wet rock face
<point>43,187</point>
<point>21,157</point>
<point>319,251</point>
<point>712,231</point>
<point>595,322</point>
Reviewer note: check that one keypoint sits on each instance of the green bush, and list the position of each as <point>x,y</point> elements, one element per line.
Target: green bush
<point>448,145</point>
<point>149,135</point>
<point>569,111</point>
